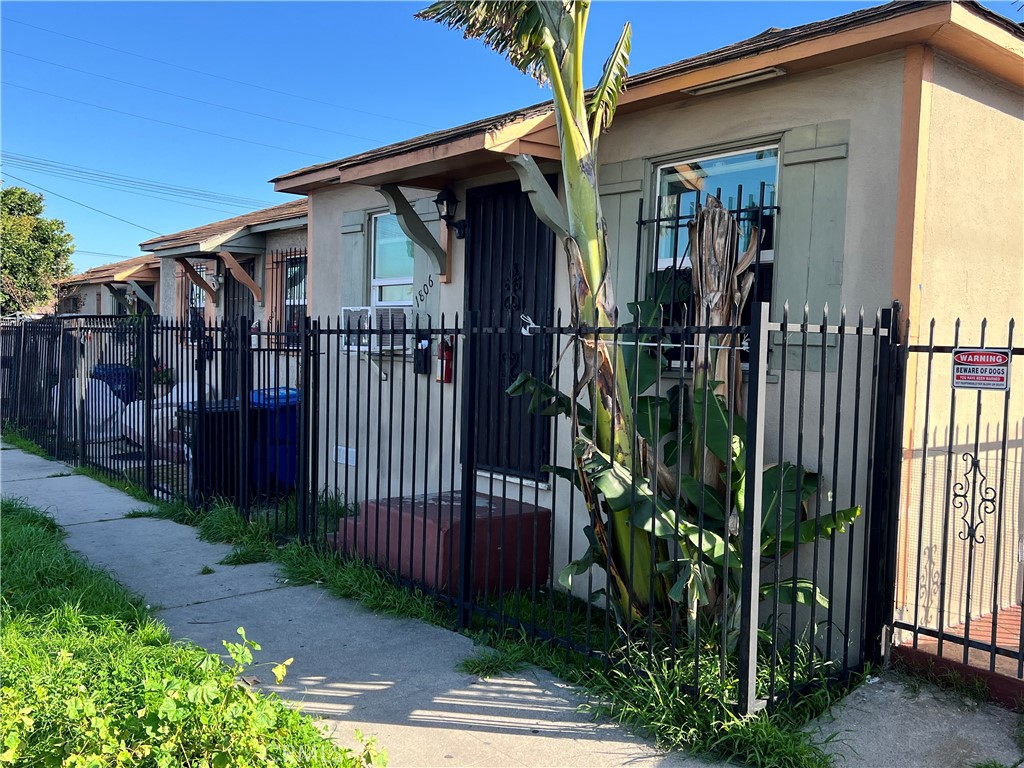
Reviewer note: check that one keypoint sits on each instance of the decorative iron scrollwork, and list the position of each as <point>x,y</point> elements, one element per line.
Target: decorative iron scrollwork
<point>973,498</point>
<point>512,290</point>
<point>928,582</point>
<point>510,368</point>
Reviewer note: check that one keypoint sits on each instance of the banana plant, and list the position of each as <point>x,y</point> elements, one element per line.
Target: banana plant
<point>545,39</point>
<point>698,559</point>
<point>619,463</point>
<point>695,524</point>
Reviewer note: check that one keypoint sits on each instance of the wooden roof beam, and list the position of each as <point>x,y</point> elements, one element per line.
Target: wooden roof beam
<point>239,273</point>
<point>196,278</point>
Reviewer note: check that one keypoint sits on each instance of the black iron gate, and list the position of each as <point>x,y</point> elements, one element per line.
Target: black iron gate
<point>510,275</point>
<point>961,536</point>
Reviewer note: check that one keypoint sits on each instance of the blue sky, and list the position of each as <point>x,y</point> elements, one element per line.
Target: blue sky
<point>272,87</point>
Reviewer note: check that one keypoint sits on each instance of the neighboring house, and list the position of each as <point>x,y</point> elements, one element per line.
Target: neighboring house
<point>881,152</point>
<point>251,266</point>
<point>121,288</point>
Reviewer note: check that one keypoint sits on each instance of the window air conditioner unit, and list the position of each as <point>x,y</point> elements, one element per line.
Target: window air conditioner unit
<point>391,325</point>
<point>356,322</point>
<point>376,329</point>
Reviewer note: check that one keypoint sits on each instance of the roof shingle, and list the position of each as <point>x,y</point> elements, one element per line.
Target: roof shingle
<point>197,235</point>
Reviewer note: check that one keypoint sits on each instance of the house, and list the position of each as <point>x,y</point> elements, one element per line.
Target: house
<point>251,266</point>
<point>121,288</point>
<point>435,277</point>
<point>846,143</point>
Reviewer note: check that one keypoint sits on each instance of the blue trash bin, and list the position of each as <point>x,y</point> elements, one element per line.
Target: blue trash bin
<point>275,440</point>
<point>120,378</point>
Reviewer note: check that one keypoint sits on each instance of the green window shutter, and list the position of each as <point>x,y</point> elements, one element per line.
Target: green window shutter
<point>354,269</point>
<point>812,220</point>
<point>809,244</point>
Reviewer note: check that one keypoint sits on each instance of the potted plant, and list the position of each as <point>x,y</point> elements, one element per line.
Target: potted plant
<point>163,378</point>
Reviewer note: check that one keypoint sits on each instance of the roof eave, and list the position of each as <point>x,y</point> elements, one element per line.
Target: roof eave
<point>963,31</point>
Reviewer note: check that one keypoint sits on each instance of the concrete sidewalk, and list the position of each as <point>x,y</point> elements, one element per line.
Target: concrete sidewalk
<point>396,678</point>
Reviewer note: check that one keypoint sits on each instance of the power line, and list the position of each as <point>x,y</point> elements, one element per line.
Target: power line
<point>141,194</point>
<point>192,98</point>
<point>78,202</point>
<point>161,122</point>
<point>118,256</point>
<point>81,173</point>
<point>220,77</point>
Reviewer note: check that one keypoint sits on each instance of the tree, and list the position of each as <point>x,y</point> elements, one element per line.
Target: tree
<point>36,251</point>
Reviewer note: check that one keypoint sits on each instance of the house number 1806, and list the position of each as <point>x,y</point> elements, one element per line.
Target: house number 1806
<point>424,291</point>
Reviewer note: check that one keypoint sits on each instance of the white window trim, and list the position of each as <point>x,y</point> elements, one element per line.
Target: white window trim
<point>295,302</point>
<point>377,283</point>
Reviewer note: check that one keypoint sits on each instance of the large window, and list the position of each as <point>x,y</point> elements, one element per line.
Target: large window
<point>391,274</point>
<point>391,260</point>
<point>746,183</point>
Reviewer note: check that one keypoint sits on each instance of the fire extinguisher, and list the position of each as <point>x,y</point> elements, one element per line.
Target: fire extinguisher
<point>444,360</point>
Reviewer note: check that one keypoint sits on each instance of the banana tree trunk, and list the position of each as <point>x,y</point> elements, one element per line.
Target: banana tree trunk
<point>630,557</point>
<point>721,284</point>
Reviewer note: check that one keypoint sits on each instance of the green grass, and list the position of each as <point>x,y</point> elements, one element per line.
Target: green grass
<point>125,486</point>
<point>90,678</point>
<point>353,579</point>
<point>649,690</point>
<point>15,439</point>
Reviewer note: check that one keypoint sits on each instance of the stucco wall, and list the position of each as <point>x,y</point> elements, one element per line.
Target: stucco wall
<point>973,254</point>
<point>971,267</point>
<point>169,299</point>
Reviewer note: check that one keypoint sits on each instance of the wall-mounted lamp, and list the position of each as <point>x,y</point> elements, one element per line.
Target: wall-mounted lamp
<point>447,208</point>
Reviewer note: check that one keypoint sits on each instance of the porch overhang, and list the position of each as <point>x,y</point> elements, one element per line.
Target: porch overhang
<point>433,164</point>
<point>227,247</point>
<point>141,269</point>
<point>950,27</point>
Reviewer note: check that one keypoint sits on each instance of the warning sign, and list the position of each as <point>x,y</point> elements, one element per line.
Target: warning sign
<point>981,369</point>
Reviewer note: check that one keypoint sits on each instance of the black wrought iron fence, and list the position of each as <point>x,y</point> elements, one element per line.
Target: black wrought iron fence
<point>746,542</point>
<point>961,536</point>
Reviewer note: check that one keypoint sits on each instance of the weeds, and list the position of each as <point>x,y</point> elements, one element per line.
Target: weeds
<point>968,688</point>
<point>90,678</point>
<point>493,662</point>
<point>352,579</point>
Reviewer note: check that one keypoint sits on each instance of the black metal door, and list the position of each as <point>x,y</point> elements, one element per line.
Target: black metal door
<point>238,305</point>
<point>510,257</point>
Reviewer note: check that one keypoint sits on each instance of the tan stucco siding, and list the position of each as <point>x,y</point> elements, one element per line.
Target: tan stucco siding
<point>973,250</point>
<point>970,265</point>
